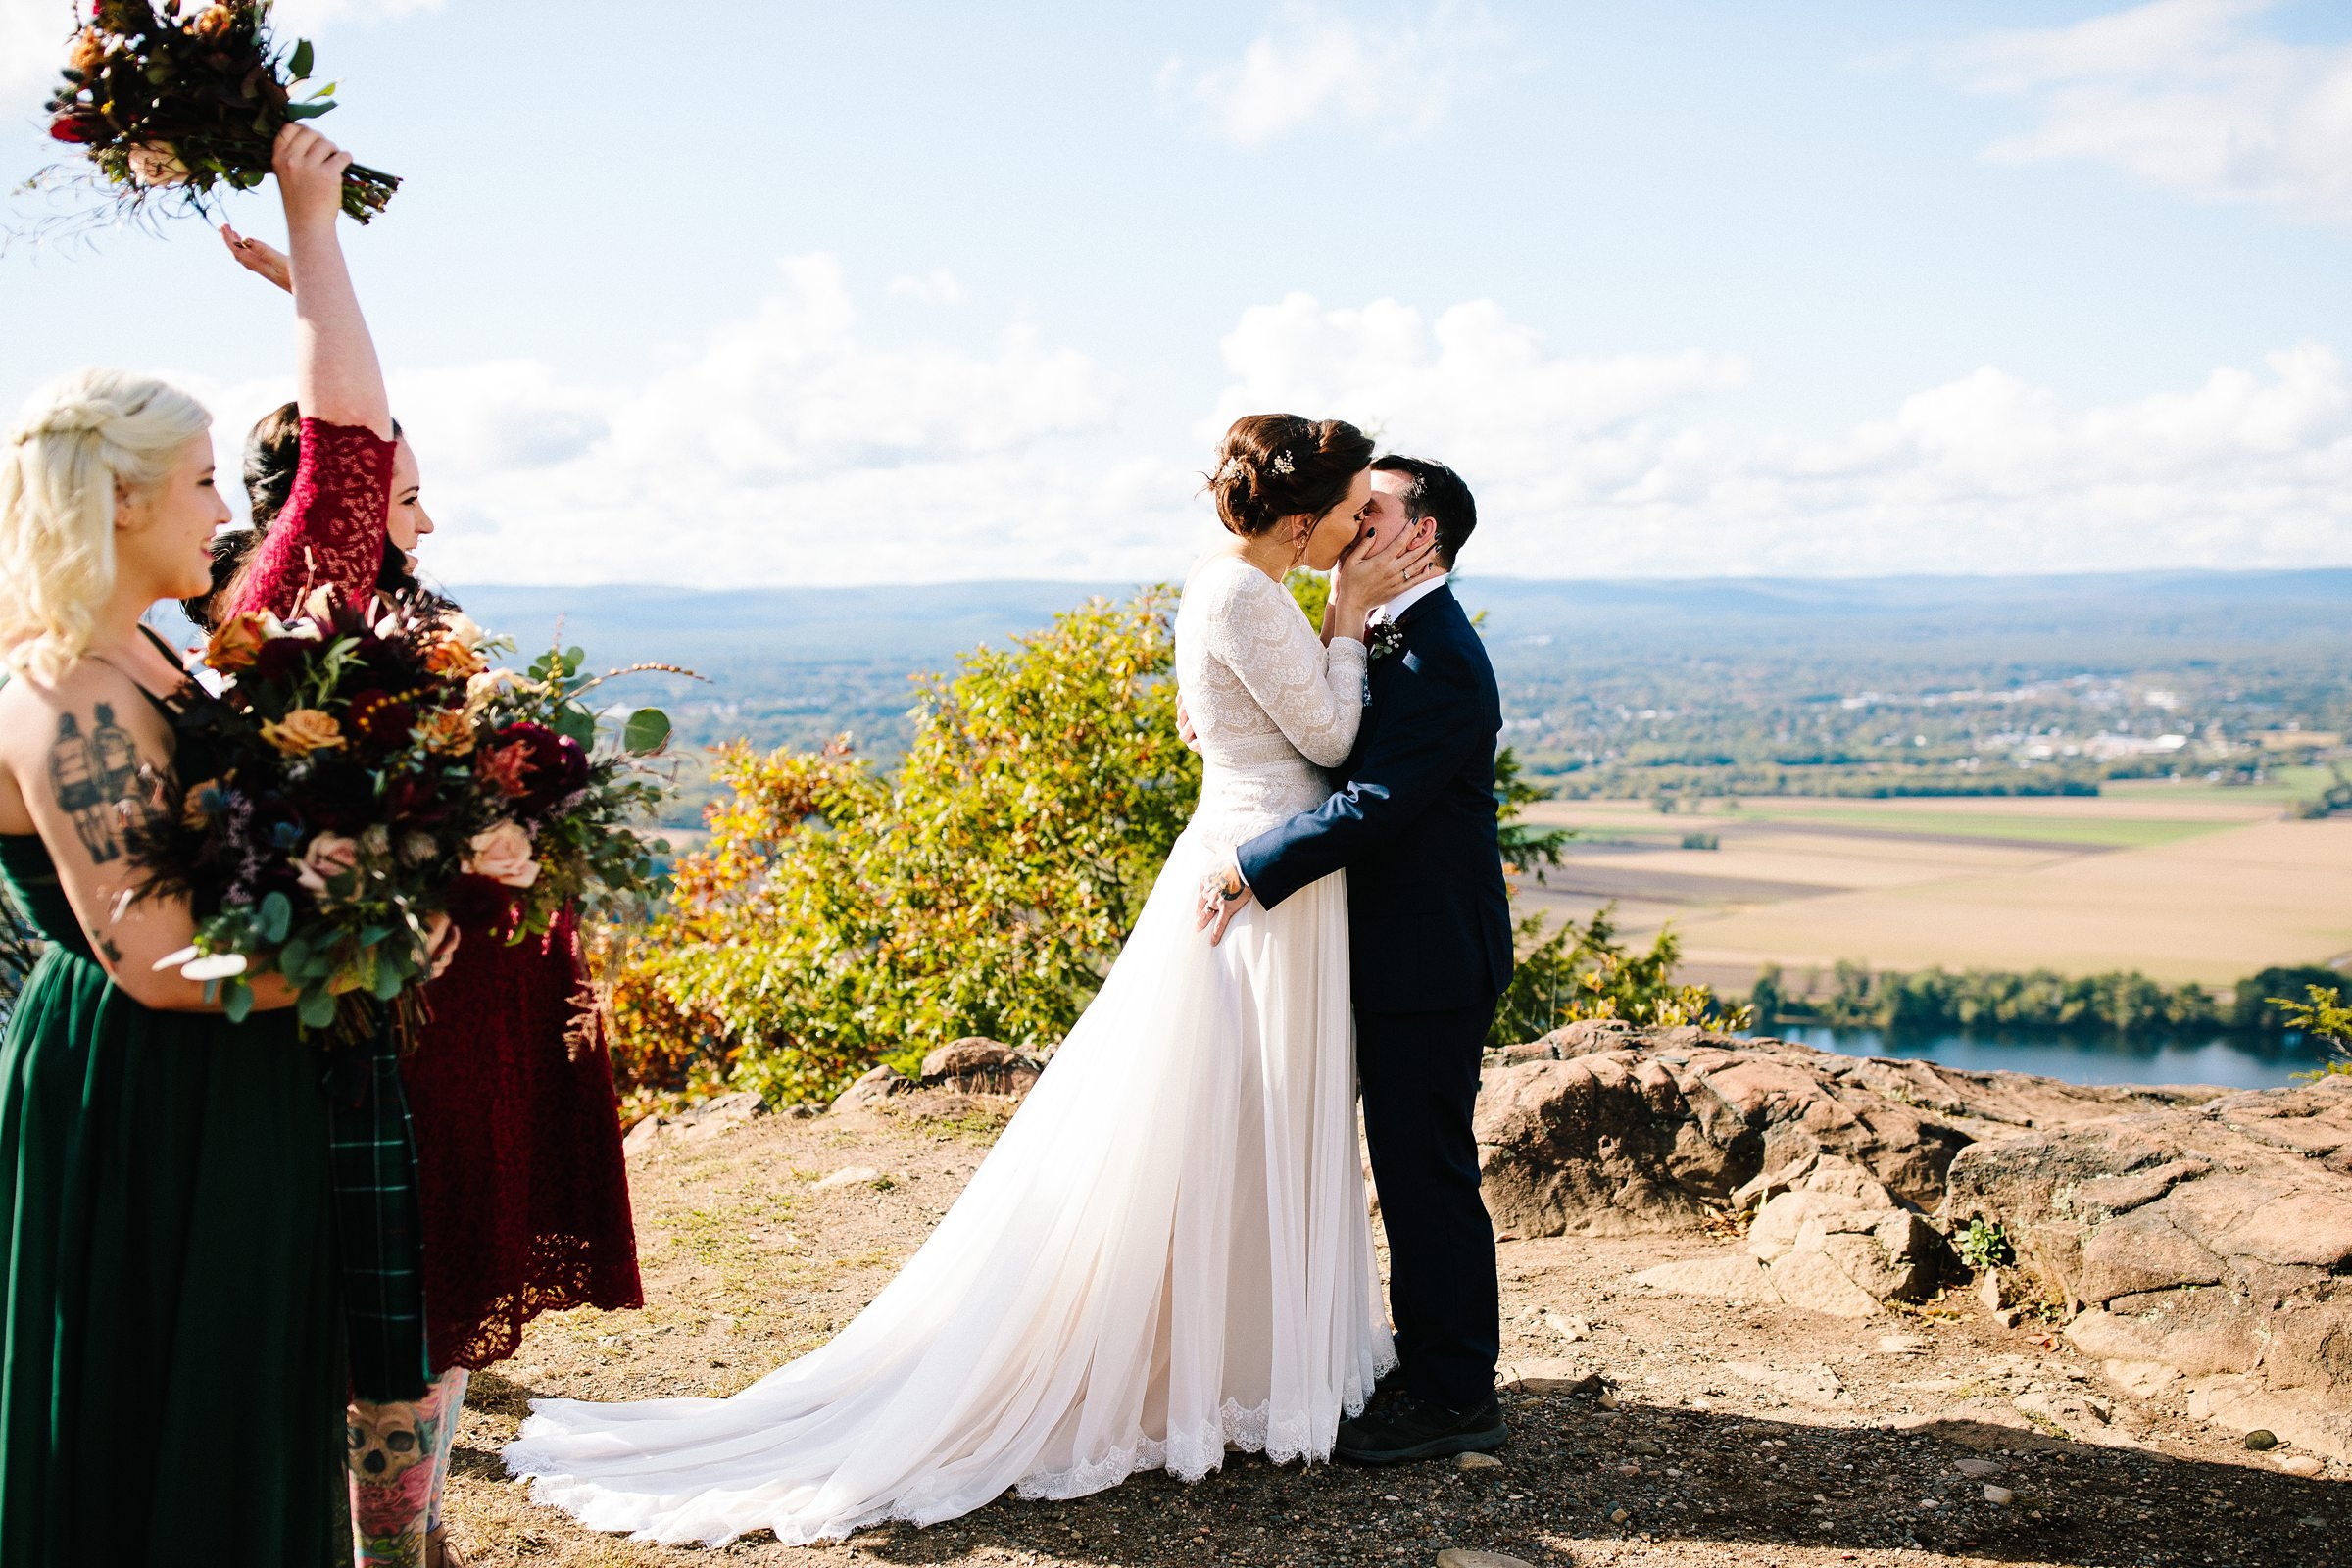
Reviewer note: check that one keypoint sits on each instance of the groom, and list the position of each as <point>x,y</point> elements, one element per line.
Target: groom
<point>1430,927</point>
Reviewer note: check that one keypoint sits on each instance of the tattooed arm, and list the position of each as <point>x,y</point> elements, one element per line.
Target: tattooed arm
<point>72,758</point>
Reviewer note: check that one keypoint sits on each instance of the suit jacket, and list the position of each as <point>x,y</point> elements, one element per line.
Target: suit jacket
<point>1414,826</point>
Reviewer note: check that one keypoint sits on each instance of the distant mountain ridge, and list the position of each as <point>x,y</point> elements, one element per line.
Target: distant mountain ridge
<point>925,625</point>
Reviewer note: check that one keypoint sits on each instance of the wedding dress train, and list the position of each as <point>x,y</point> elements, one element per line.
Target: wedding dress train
<point>1165,1253</point>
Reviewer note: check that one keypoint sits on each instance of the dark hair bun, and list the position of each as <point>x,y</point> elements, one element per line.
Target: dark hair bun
<point>1276,465</point>
<point>272,451</point>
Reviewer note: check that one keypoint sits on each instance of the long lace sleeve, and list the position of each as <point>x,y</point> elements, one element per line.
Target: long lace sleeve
<point>1315,694</point>
<point>332,530</point>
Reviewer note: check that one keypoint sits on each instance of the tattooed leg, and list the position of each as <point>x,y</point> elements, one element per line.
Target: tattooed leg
<point>391,1465</point>
<point>451,1385</point>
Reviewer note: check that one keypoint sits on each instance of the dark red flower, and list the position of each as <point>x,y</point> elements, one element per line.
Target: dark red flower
<point>380,719</point>
<point>79,128</point>
<point>552,764</point>
<point>282,658</point>
<point>477,903</point>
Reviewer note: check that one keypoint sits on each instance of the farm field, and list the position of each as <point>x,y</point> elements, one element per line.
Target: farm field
<point>2183,882</point>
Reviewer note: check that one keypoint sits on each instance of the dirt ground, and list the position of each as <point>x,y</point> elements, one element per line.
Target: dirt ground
<point>1740,1436</point>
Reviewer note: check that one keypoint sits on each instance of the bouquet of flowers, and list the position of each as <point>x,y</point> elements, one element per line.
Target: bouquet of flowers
<point>352,779</point>
<point>186,97</point>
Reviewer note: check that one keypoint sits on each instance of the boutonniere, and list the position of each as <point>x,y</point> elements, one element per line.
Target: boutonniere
<point>1386,638</point>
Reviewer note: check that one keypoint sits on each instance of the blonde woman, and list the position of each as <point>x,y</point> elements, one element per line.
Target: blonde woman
<point>172,1386</point>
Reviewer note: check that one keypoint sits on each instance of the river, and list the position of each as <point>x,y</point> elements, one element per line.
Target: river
<point>2231,1061</point>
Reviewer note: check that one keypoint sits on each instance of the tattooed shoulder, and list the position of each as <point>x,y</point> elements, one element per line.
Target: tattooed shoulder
<point>93,767</point>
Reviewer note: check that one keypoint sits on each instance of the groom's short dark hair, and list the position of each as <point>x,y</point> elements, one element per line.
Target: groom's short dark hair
<point>1436,491</point>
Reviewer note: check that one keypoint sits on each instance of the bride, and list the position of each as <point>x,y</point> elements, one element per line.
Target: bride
<point>1167,1251</point>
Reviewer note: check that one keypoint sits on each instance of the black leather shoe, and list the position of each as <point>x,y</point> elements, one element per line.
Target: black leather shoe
<point>1405,1427</point>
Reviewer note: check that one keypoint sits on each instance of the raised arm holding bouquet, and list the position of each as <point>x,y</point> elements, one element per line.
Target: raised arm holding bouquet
<point>523,1194</point>
<point>168,102</point>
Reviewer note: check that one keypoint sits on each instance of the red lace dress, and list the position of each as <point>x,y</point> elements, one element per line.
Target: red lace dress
<point>525,1198</point>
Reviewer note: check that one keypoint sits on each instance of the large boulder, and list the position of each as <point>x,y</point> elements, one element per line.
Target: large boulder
<point>1827,1237</point>
<point>2209,1243</point>
<point>1603,1129</point>
<point>967,1066</point>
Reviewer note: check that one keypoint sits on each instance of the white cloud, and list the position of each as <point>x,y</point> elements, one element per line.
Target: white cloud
<point>939,286</point>
<point>793,447</point>
<point>32,50</point>
<point>1609,465</point>
<point>2184,94</point>
<point>1316,61</point>
<point>788,448</point>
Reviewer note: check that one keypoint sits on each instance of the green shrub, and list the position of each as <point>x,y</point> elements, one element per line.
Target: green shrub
<point>837,918</point>
<point>1586,972</point>
<point>2321,1017</point>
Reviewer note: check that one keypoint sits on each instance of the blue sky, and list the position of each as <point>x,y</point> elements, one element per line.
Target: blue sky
<point>780,293</point>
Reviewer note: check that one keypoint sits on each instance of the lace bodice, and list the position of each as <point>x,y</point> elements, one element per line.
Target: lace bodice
<point>330,532</point>
<point>1269,703</point>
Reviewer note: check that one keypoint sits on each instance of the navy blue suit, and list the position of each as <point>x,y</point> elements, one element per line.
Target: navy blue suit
<point>1430,924</point>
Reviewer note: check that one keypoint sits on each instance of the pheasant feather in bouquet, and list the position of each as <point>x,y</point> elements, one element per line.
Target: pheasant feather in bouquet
<point>170,100</point>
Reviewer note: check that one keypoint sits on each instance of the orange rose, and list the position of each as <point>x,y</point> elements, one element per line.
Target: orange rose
<point>449,657</point>
<point>235,643</point>
<point>304,731</point>
<point>88,52</point>
<point>448,731</point>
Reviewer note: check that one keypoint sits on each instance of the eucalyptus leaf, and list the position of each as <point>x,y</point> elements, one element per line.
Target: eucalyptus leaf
<point>277,916</point>
<point>578,723</point>
<point>298,64</point>
<point>308,110</point>
<point>316,1009</point>
<point>646,732</point>
<point>388,981</point>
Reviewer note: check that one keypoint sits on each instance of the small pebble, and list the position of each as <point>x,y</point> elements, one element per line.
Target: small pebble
<point>2262,1439</point>
<point>1977,1469</point>
<point>1607,1400</point>
<point>1478,1461</point>
<point>2301,1464</point>
<point>1619,1517</point>
<point>2000,1497</point>
<point>1458,1557</point>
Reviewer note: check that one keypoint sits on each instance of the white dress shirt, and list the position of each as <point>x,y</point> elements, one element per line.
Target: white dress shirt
<point>1409,598</point>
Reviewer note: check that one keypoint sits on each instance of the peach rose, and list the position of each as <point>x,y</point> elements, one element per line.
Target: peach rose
<point>503,853</point>
<point>304,731</point>
<point>235,643</point>
<point>326,857</point>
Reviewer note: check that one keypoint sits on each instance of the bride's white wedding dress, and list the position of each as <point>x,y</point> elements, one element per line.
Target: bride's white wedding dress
<point>1167,1251</point>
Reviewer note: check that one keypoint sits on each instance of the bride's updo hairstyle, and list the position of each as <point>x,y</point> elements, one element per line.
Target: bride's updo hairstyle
<point>76,440</point>
<point>1276,465</point>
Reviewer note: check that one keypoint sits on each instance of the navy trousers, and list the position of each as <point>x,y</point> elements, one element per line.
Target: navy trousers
<point>1419,1076</point>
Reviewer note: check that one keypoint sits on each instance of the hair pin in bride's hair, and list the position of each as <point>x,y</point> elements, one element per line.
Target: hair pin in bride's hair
<point>1234,468</point>
<point>1282,464</point>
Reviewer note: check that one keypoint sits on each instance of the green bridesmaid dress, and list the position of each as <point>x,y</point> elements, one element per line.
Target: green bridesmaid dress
<point>171,1377</point>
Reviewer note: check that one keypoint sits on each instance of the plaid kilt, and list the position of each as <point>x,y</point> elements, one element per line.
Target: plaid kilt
<point>378,1228</point>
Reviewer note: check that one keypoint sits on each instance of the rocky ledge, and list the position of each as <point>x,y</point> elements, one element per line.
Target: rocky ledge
<point>2198,1240</point>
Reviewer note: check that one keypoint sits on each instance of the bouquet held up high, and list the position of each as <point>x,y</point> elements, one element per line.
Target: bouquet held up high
<point>355,779</point>
<point>183,97</point>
